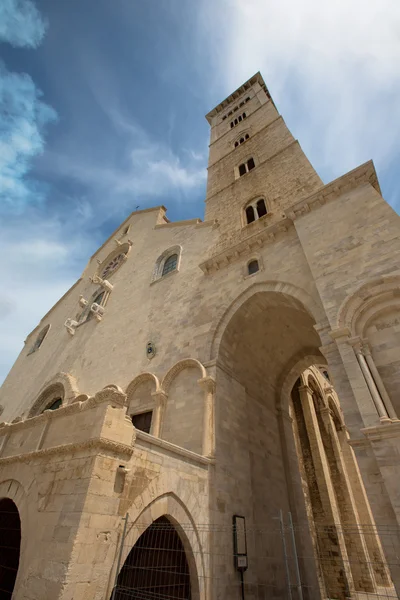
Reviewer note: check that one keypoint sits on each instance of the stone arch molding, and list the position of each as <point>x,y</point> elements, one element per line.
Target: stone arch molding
<point>367,300</point>
<point>292,373</point>
<point>61,383</point>
<point>223,318</point>
<point>174,508</point>
<point>186,363</point>
<point>138,380</point>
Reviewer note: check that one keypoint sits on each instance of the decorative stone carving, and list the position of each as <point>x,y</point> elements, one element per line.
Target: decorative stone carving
<point>82,301</point>
<point>71,325</point>
<point>97,310</point>
<point>104,283</point>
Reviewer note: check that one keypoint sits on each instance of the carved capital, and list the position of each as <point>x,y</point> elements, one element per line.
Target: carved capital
<point>207,383</point>
<point>160,397</point>
<point>340,334</point>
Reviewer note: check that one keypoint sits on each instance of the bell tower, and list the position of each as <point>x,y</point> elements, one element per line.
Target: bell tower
<point>253,156</point>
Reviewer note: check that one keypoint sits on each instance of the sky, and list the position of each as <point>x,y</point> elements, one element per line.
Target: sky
<point>102,108</point>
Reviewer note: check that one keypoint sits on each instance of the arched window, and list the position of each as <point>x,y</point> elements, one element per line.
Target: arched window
<point>250,214</point>
<point>98,299</point>
<point>255,210</point>
<point>236,144</point>
<point>240,118</point>
<point>10,527</point>
<point>232,124</point>
<point>246,167</point>
<point>247,99</point>
<point>244,115</point>
<point>170,264</point>
<point>39,340</point>
<point>167,262</point>
<point>241,140</point>
<point>246,137</point>
<point>54,404</point>
<point>253,267</point>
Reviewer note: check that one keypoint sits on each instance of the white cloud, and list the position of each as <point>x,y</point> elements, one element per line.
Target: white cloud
<point>21,24</point>
<point>332,69</point>
<point>23,116</point>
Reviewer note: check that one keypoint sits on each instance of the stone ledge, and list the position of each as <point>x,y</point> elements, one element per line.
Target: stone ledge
<point>103,445</point>
<point>141,436</point>
<point>246,246</point>
<point>364,174</point>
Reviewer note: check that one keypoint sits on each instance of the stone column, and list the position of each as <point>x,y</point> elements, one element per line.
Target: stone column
<point>378,380</point>
<point>330,519</point>
<point>366,519</point>
<point>360,562</point>
<point>357,380</point>
<point>208,385</point>
<point>160,399</point>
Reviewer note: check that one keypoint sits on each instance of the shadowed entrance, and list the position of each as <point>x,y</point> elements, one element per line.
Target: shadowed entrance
<point>10,541</point>
<point>156,568</point>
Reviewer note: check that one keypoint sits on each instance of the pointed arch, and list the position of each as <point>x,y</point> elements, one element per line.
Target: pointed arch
<point>139,379</point>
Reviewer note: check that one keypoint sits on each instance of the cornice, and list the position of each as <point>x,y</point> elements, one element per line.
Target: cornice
<point>245,247</point>
<point>141,436</point>
<point>364,174</point>
<point>391,429</point>
<point>101,445</point>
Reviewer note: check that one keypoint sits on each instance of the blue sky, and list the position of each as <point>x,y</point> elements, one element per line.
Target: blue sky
<point>102,110</point>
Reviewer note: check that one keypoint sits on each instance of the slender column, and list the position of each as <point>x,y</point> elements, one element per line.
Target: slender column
<point>380,407</point>
<point>160,398</point>
<point>361,392</point>
<point>360,562</point>
<point>364,510</point>
<point>378,381</point>
<point>331,517</point>
<point>208,385</point>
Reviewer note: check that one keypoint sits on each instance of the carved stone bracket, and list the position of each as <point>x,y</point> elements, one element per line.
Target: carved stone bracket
<point>71,325</point>
<point>104,283</point>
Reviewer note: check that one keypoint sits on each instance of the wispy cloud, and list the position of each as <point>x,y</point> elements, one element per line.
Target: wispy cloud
<point>23,117</point>
<point>332,68</point>
<point>21,24</point>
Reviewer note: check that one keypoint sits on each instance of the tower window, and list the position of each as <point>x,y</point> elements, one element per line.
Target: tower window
<point>236,144</point>
<point>232,124</point>
<point>255,210</point>
<point>250,214</point>
<point>253,267</point>
<point>246,167</point>
<point>240,118</point>
<point>224,117</point>
<point>142,421</point>
<point>247,99</point>
<point>242,140</point>
<point>236,121</point>
<point>246,137</point>
<point>261,208</point>
<point>244,115</point>
<point>242,169</point>
<point>170,264</point>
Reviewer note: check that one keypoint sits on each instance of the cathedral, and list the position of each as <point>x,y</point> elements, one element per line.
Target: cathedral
<point>211,412</point>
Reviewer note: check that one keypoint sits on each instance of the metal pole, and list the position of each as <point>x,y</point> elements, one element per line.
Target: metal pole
<point>120,556</point>
<point>285,555</point>
<point>296,559</point>
<point>242,582</point>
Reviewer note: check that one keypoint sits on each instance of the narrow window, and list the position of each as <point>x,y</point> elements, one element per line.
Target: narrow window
<point>98,300</point>
<point>326,375</point>
<point>244,115</point>
<point>224,117</point>
<point>236,144</point>
<point>242,169</point>
<point>39,340</point>
<point>241,104</point>
<point>126,230</point>
<point>253,267</point>
<point>236,121</point>
<point>246,137</point>
<point>247,99</point>
<point>142,421</point>
<point>261,208</point>
<point>241,140</point>
<point>250,164</point>
<point>250,214</point>
<point>240,118</point>
<point>235,108</point>
<point>170,264</point>
<point>231,124</point>
<point>229,113</point>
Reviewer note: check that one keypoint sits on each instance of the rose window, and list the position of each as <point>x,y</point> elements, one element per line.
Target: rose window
<point>113,266</point>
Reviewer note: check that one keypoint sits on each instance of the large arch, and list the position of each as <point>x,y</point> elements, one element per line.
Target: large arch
<point>10,546</point>
<point>169,506</point>
<point>226,313</point>
<point>61,385</point>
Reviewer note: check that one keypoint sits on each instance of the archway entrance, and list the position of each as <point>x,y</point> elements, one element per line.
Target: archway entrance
<point>10,541</point>
<point>156,568</point>
<point>271,339</point>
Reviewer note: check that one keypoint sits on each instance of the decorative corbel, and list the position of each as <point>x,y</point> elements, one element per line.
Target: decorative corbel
<point>97,310</point>
<point>104,283</point>
<point>71,325</point>
<point>82,301</point>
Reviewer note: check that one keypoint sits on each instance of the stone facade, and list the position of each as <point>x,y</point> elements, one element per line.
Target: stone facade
<point>167,318</point>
